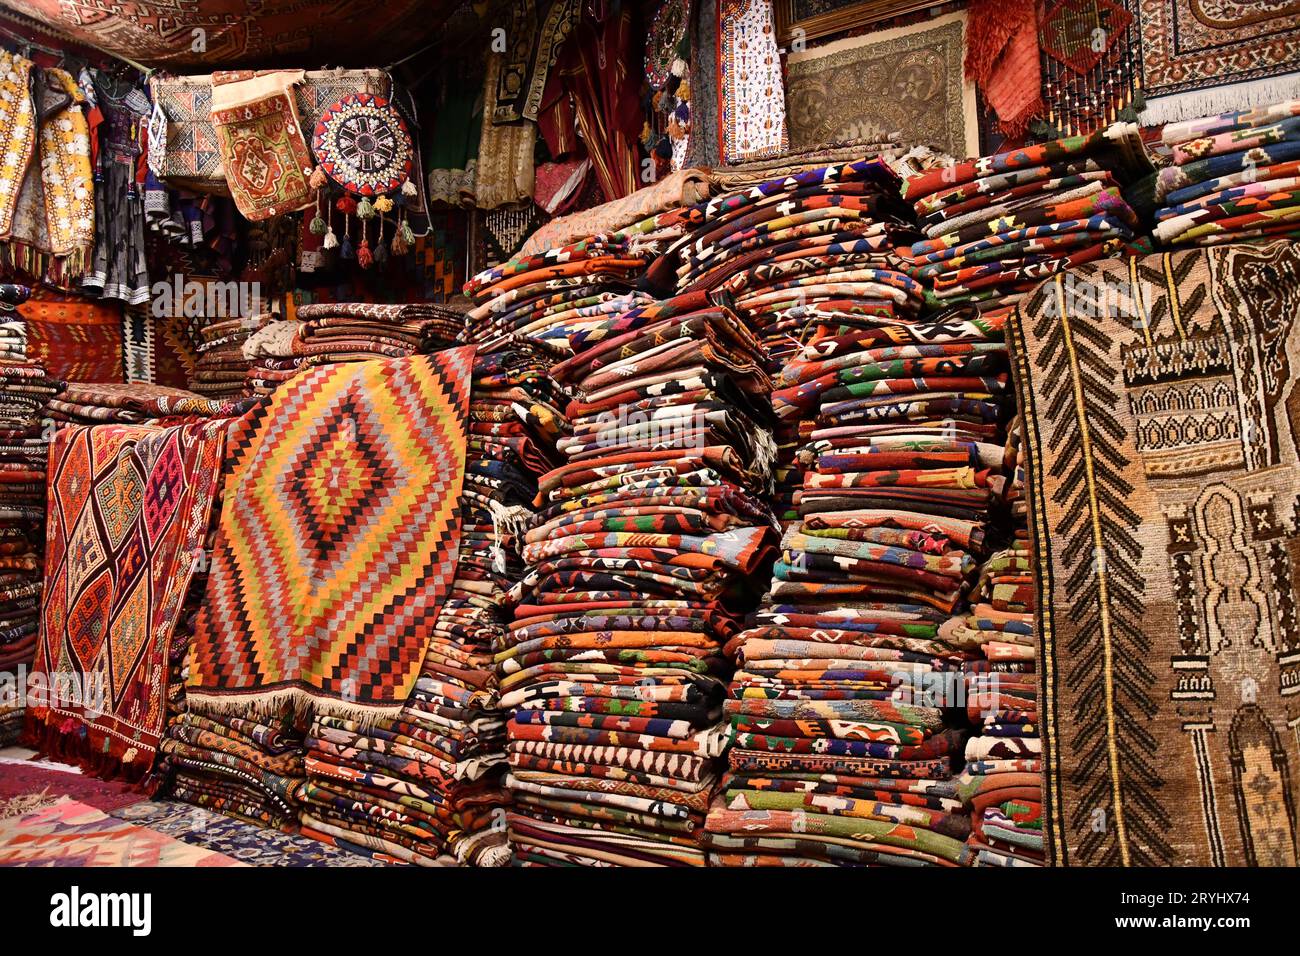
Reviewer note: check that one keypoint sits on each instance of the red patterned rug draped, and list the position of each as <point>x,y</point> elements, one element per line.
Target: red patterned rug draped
<point>129,506</point>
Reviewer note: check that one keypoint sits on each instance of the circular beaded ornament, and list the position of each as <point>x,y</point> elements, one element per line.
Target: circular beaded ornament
<point>363,145</point>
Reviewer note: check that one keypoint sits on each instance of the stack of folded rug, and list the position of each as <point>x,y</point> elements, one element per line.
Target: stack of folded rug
<point>425,787</point>
<point>613,668</point>
<point>24,446</point>
<point>833,237</point>
<point>13,327</point>
<point>326,333</point>
<point>99,403</point>
<point>841,752</point>
<point>270,355</point>
<point>995,226</point>
<point>359,331</point>
<point>1002,780</point>
<point>1235,177</point>
<point>825,239</point>
<point>222,368</point>
<point>821,239</point>
<point>552,294</point>
<point>237,766</point>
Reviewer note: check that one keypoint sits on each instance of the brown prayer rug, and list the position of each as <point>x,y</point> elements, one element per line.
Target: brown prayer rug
<point>1161,401</point>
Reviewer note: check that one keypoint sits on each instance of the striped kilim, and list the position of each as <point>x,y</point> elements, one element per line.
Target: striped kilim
<point>337,542</point>
<point>129,506</point>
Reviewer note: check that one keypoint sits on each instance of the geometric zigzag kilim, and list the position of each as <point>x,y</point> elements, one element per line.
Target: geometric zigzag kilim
<point>129,506</point>
<point>1161,401</point>
<point>338,540</point>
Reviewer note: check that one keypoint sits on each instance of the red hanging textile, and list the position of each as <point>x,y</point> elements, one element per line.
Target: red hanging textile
<point>595,70</point>
<point>1002,60</point>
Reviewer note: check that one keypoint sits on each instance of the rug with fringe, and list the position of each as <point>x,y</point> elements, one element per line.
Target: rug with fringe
<point>129,506</point>
<point>337,542</point>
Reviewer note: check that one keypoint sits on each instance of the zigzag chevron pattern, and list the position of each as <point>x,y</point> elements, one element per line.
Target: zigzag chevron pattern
<point>337,541</point>
<point>1161,409</point>
<point>1114,812</point>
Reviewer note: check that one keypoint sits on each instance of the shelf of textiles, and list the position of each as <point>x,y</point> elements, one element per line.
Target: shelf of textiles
<point>1235,177</point>
<point>25,390</point>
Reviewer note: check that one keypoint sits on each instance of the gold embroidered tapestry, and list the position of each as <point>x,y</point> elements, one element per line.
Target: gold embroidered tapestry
<point>905,81</point>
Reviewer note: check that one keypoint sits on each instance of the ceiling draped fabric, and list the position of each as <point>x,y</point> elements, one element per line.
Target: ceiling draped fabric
<point>201,33</point>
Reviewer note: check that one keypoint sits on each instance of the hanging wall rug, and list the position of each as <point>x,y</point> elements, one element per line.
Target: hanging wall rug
<point>338,541</point>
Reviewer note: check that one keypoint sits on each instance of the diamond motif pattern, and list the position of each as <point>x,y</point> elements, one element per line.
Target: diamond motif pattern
<point>137,500</point>
<point>339,542</point>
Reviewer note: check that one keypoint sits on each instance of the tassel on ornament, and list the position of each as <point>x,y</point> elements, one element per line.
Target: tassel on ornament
<point>408,189</point>
<point>330,241</point>
<point>365,209</point>
<point>364,257</point>
<point>317,224</point>
<point>400,244</point>
<point>346,205</point>
<point>381,250</point>
<point>383,204</point>
<point>317,179</point>
<point>345,250</point>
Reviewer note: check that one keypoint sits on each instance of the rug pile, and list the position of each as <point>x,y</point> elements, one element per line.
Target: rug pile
<point>331,333</point>
<point>997,225</point>
<point>612,670</point>
<point>1001,782</point>
<point>221,369</point>
<point>101,403</point>
<point>25,390</point>
<point>1235,178</point>
<point>557,293</point>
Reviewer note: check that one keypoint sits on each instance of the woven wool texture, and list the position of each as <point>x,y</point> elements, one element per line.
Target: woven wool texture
<point>1161,413</point>
<point>338,540</point>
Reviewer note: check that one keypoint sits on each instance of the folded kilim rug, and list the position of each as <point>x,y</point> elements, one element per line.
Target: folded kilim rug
<point>1161,407</point>
<point>337,542</point>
